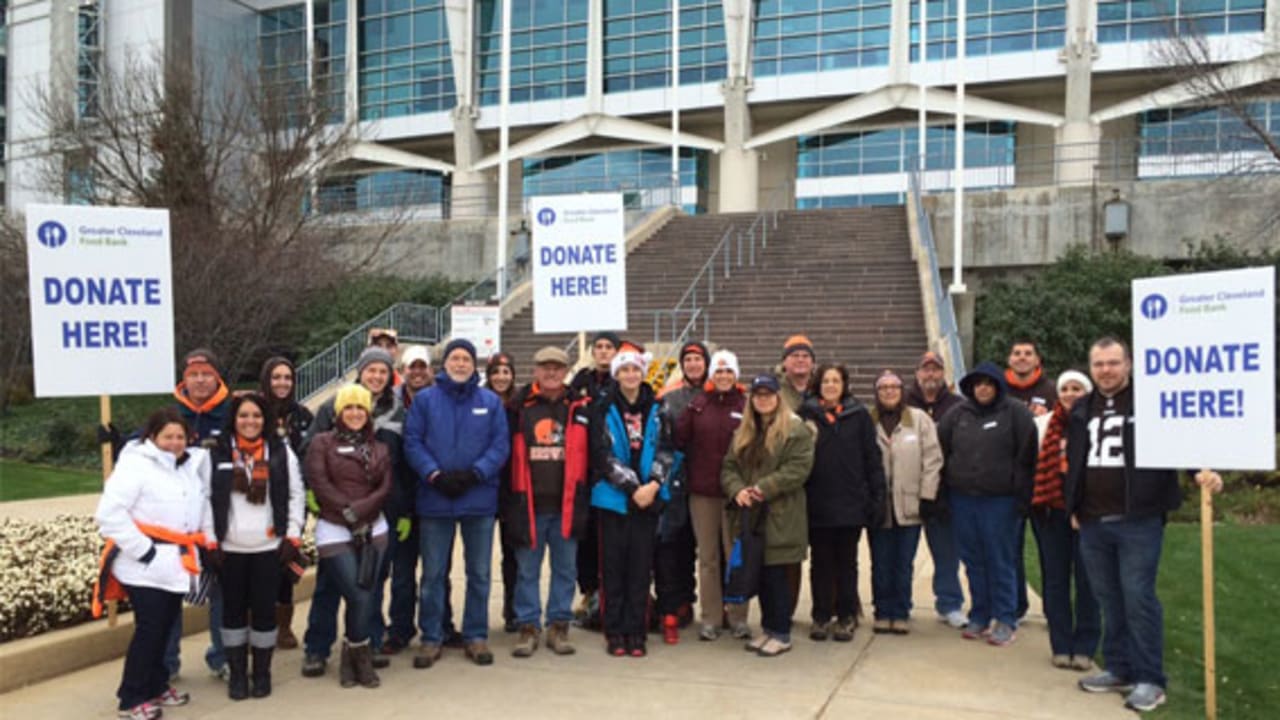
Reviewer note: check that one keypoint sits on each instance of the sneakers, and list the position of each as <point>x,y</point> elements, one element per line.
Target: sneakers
<point>393,646</point>
<point>899,627</point>
<point>842,630</point>
<point>1061,661</point>
<point>773,647</point>
<point>587,614</point>
<point>670,629</point>
<point>615,646</point>
<point>635,646</point>
<point>818,631</point>
<point>882,626</point>
<point>756,643</point>
<point>1145,697</point>
<point>741,631</point>
<point>427,655</point>
<point>141,711</point>
<point>527,643</point>
<point>1002,635</point>
<point>171,698</point>
<point>478,652</point>
<point>955,619</point>
<point>222,672</point>
<point>975,630</point>
<point>1105,682</point>
<point>708,633</point>
<point>313,666</point>
<point>558,639</point>
<point>1081,663</point>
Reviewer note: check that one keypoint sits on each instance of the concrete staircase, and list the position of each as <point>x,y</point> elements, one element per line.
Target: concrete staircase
<point>658,273</point>
<point>844,278</point>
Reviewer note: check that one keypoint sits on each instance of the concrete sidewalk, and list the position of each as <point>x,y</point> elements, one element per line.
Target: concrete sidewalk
<point>931,673</point>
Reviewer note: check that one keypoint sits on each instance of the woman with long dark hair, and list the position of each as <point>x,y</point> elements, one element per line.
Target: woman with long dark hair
<point>768,462</point>
<point>257,498</point>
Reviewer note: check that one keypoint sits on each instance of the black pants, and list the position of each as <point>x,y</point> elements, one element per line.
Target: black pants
<point>589,554</point>
<point>284,594</point>
<point>510,572</point>
<point>1020,562</point>
<point>145,675</point>
<point>674,579</point>
<point>626,549</point>
<point>775,599</point>
<point>833,572</point>
<point>250,585</point>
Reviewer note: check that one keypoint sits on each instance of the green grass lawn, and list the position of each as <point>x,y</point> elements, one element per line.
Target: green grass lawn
<point>23,481</point>
<point>1247,595</point>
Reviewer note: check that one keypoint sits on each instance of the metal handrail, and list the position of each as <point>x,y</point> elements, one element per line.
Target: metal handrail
<point>948,326</point>
<point>414,322</point>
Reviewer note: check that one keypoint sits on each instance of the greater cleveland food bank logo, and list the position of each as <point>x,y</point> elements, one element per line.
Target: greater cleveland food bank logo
<point>1154,306</point>
<point>52,234</point>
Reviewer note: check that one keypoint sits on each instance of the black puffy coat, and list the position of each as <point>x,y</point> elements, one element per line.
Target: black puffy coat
<point>989,450</point>
<point>846,487</point>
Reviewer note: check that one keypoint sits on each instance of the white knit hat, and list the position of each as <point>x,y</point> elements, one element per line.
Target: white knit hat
<point>724,360</point>
<point>1076,376</point>
<point>629,357</point>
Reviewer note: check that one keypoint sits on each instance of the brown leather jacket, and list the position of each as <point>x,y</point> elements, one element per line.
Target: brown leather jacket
<point>336,472</point>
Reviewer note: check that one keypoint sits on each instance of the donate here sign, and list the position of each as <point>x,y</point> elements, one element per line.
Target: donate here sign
<point>101,300</point>
<point>579,263</point>
<point>1204,370</point>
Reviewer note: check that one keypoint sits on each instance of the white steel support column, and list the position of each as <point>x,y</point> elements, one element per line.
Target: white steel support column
<point>739,165</point>
<point>1078,137</point>
<point>675,102</point>
<point>504,139</point>
<point>957,238</point>
<point>351,98</point>
<point>922,113</point>
<point>471,192</point>
<point>595,56</point>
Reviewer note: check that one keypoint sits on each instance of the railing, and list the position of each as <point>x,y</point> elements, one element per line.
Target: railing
<point>413,322</point>
<point>949,328</point>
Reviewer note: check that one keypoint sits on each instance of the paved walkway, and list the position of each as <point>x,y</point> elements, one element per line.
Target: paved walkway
<point>931,673</point>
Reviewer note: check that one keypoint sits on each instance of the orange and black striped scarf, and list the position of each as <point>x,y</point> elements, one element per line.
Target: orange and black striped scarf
<point>1051,466</point>
<point>252,469</point>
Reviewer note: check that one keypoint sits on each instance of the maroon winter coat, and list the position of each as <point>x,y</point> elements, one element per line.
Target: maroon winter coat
<point>338,476</point>
<point>704,431</point>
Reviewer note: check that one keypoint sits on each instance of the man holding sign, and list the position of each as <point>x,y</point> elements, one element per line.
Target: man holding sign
<point>1120,510</point>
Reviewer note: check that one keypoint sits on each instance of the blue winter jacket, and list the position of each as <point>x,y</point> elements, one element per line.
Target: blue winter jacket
<point>457,426</point>
<point>604,495</point>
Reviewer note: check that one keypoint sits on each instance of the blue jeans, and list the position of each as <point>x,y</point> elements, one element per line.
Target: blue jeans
<point>986,535</point>
<point>401,563</point>
<point>341,570</point>
<point>477,550</point>
<point>941,538</point>
<point>564,574</point>
<point>1121,559</point>
<point>893,550</point>
<point>1073,627</point>
<point>214,655</point>
<point>322,618</point>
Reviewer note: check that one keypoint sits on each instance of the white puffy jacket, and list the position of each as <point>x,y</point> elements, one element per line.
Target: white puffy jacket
<point>149,486</point>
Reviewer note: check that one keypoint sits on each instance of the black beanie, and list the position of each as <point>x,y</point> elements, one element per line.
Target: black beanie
<point>609,335</point>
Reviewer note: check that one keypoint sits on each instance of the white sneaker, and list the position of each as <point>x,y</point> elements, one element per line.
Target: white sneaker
<point>956,619</point>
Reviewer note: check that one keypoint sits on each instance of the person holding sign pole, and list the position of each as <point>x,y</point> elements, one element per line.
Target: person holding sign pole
<point>1120,510</point>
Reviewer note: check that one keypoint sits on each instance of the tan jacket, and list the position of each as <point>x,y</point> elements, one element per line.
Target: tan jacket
<point>912,464</point>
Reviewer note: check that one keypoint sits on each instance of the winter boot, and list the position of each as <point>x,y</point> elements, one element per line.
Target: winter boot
<point>286,640</point>
<point>261,672</point>
<point>238,663</point>
<point>346,670</point>
<point>362,663</point>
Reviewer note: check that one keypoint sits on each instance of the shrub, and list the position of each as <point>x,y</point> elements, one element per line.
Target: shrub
<point>46,574</point>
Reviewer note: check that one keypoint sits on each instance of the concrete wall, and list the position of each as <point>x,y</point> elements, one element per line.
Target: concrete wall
<point>1022,227</point>
<point>457,249</point>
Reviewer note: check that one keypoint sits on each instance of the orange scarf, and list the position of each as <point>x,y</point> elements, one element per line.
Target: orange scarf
<point>1051,465</point>
<point>1012,379</point>
<point>832,412</point>
<point>180,393</point>
<point>251,458</point>
<point>107,588</point>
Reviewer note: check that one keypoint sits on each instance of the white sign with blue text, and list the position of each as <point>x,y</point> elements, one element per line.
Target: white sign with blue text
<point>101,300</point>
<point>579,263</point>
<point>1204,370</point>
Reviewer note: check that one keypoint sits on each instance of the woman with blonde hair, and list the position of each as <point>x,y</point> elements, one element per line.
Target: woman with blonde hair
<point>768,461</point>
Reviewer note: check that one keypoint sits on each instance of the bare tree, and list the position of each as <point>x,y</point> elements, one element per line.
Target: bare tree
<point>236,157</point>
<point>15,321</point>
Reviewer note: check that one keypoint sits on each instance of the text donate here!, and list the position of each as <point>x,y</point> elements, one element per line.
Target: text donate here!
<point>102,291</point>
<point>1203,361</point>
<point>574,256</point>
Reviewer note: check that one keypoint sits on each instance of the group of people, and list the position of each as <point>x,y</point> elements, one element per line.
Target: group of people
<point>643,499</point>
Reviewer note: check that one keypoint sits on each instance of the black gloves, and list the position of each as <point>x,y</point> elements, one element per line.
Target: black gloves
<point>213,559</point>
<point>289,553</point>
<point>108,433</point>
<point>622,477</point>
<point>934,510</point>
<point>453,484</point>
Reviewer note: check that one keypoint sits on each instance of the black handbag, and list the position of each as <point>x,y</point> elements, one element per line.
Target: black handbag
<point>366,559</point>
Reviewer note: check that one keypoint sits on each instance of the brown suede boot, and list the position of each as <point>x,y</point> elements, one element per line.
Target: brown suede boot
<point>285,640</point>
<point>362,662</point>
<point>346,669</point>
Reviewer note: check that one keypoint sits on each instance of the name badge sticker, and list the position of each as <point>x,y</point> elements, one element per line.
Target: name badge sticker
<point>991,424</point>
<point>479,411</point>
<point>346,449</point>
